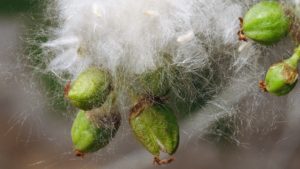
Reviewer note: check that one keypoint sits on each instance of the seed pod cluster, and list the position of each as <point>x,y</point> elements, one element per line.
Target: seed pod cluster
<point>153,123</point>
<point>98,118</point>
<point>268,22</point>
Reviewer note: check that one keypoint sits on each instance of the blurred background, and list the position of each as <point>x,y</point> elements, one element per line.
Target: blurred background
<point>260,132</point>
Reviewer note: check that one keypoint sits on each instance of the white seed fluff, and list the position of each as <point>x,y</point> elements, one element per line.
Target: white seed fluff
<point>134,34</point>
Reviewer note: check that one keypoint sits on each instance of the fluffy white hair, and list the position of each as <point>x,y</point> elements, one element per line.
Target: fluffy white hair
<point>134,34</point>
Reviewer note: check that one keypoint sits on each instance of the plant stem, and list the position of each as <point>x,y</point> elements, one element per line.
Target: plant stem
<point>294,59</point>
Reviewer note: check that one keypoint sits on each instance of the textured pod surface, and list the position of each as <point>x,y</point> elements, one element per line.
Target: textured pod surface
<point>156,128</point>
<point>281,79</point>
<point>266,22</point>
<point>85,134</point>
<point>90,89</point>
<point>94,129</point>
<point>154,83</point>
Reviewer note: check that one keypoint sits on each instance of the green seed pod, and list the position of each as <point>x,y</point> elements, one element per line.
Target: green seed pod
<point>266,23</point>
<point>281,78</point>
<point>154,83</point>
<point>90,89</point>
<point>94,129</point>
<point>155,126</point>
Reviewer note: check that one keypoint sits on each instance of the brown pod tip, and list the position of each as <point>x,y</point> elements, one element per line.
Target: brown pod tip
<point>158,161</point>
<point>79,153</point>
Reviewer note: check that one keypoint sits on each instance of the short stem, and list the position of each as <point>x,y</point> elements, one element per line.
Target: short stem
<point>294,59</point>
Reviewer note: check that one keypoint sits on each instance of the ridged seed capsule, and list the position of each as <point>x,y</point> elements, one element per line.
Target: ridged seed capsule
<point>281,78</point>
<point>156,127</point>
<point>265,23</point>
<point>93,129</point>
<point>90,89</point>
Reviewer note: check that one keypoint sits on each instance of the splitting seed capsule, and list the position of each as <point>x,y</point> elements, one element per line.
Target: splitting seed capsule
<point>265,23</point>
<point>156,127</point>
<point>90,89</point>
<point>92,130</point>
<point>282,77</point>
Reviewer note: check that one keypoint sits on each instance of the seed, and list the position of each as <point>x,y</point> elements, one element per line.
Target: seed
<point>92,130</point>
<point>281,78</point>
<point>266,23</point>
<point>90,89</point>
<point>156,127</point>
